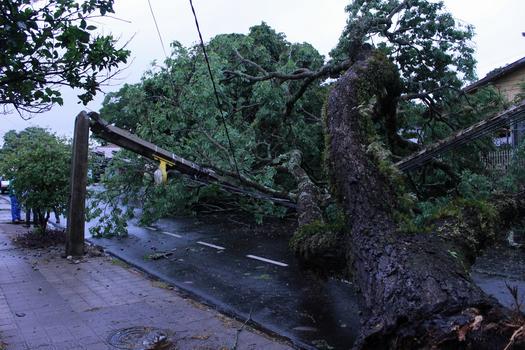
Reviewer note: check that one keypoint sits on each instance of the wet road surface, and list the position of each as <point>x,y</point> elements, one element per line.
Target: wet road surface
<point>248,275</point>
<point>253,276</point>
<point>498,267</point>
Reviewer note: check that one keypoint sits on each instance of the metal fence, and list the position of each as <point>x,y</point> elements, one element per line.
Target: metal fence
<point>501,160</point>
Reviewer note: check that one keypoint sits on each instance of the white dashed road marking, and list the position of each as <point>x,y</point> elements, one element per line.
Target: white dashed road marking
<point>211,245</point>
<point>278,263</point>
<point>266,260</point>
<point>172,234</point>
<point>151,228</point>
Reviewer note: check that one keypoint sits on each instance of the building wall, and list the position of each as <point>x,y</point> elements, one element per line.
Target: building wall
<point>108,151</point>
<point>510,85</point>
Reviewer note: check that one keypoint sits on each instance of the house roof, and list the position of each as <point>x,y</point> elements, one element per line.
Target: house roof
<point>496,74</point>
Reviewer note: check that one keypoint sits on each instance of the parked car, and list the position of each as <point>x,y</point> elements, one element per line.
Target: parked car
<point>4,185</point>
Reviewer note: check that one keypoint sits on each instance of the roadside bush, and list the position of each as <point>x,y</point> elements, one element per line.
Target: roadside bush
<point>38,164</point>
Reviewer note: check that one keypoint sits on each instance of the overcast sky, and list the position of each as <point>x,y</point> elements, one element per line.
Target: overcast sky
<point>499,26</point>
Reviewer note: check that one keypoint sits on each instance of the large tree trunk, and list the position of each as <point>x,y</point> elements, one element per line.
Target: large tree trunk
<point>418,294</point>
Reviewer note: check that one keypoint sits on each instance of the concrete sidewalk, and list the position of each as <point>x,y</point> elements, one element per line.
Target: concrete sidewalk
<point>47,302</point>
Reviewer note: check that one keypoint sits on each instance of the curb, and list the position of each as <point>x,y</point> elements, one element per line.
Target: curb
<point>184,291</point>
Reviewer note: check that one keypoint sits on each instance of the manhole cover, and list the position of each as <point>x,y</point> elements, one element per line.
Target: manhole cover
<point>139,338</point>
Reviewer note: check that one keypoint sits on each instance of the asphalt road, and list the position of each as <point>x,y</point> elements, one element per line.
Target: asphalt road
<point>246,274</point>
<point>253,276</point>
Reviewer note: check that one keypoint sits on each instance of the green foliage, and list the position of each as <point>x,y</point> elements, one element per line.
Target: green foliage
<point>38,164</point>
<point>111,223</point>
<point>327,231</point>
<point>174,107</point>
<point>432,50</point>
<point>434,57</point>
<point>46,45</point>
<point>515,178</point>
<point>511,179</point>
<point>474,197</point>
<point>316,237</point>
<point>322,244</point>
<point>96,167</point>
<point>429,126</point>
<point>108,205</point>
<point>261,209</point>
<point>474,186</point>
<point>334,215</point>
<point>465,211</point>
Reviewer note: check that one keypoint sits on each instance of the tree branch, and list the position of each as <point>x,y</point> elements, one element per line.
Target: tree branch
<point>309,76</point>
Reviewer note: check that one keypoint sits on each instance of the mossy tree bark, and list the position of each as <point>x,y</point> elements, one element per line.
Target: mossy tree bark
<point>309,195</point>
<point>316,244</point>
<point>419,295</point>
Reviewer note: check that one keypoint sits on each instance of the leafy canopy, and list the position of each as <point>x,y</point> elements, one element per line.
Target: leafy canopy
<point>48,44</point>
<point>173,107</point>
<point>273,93</point>
<point>433,51</point>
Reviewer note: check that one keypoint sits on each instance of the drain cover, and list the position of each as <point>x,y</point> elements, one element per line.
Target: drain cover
<point>139,338</point>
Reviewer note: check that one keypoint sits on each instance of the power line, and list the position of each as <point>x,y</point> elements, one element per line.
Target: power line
<point>217,100</point>
<point>158,30</point>
<point>515,113</point>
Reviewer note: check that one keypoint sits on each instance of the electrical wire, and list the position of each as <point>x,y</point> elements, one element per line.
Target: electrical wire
<point>217,99</point>
<point>513,115</point>
<point>157,26</point>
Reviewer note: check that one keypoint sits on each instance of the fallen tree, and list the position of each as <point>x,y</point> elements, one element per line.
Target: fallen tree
<point>419,295</point>
<point>416,285</point>
<point>414,280</point>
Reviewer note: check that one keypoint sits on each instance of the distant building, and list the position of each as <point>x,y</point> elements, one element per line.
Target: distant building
<point>107,151</point>
<point>103,154</point>
<point>508,80</point>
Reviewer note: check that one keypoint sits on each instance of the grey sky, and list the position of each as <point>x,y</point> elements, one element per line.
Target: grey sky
<point>498,39</point>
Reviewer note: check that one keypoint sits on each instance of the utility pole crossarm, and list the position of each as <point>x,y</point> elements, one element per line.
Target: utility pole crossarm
<point>147,149</point>
<point>513,114</point>
<point>172,161</point>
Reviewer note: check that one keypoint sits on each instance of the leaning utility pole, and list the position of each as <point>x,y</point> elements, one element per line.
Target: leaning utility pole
<point>77,203</point>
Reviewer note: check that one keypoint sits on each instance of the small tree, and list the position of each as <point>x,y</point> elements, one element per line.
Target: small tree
<point>38,162</point>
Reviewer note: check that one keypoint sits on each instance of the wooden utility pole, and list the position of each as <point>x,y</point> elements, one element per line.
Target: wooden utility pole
<point>77,203</point>
<point>171,161</point>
